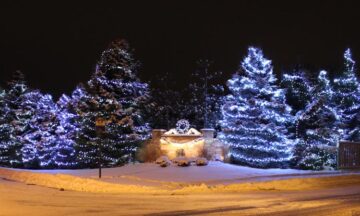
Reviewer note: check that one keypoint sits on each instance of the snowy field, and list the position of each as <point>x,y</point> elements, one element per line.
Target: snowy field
<point>150,174</point>
<point>151,178</point>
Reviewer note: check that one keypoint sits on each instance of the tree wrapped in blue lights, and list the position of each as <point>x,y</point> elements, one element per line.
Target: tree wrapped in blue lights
<point>298,90</point>
<point>16,120</point>
<point>39,149</point>
<point>115,95</point>
<point>66,129</point>
<point>347,100</point>
<point>317,132</point>
<point>255,116</point>
<point>5,131</point>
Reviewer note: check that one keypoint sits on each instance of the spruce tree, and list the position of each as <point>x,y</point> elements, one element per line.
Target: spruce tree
<point>16,121</point>
<point>66,129</point>
<point>114,94</point>
<point>255,116</point>
<point>39,147</point>
<point>317,129</point>
<point>347,99</point>
<point>297,90</point>
<point>5,131</point>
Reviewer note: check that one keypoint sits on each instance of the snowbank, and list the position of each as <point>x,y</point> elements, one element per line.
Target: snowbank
<point>150,178</point>
<point>296,184</point>
<point>69,182</point>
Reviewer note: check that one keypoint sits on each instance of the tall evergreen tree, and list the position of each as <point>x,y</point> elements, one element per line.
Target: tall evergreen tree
<point>5,129</point>
<point>317,129</point>
<point>16,121</point>
<point>116,95</point>
<point>255,116</point>
<point>66,129</point>
<point>347,99</point>
<point>39,147</point>
<point>205,93</point>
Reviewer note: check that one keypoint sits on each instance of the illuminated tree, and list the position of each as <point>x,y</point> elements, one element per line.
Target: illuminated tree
<point>114,94</point>
<point>347,99</point>
<point>297,90</point>
<point>255,116</point>
<point>5,131</point>
<point>16,121</point>
<point>39,142</point>
<point>317,129</point>
<point>66,129</point>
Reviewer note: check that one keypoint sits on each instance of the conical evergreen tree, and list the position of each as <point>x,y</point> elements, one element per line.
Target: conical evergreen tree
<point>316,129</point>
<point>40,140</point>
<point>5,131</point>
<point>115,95</point>
<point>347,100</point>
<point>66,130</point>
<point>255,116</point>
<point>17,119</point>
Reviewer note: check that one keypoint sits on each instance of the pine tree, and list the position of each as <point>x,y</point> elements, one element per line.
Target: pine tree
<point>255,116</point>
<point>297,90</point>
<point>5,131</point>
<point>205,95</point>
<point>316,129</point>
<point>16,121</point>
<point>66,130</point>
<point>347,100</point>
<point>40,140</point>
<point>116,95</point>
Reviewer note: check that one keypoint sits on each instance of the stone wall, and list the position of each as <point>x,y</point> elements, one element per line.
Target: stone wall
<point>202,146</point>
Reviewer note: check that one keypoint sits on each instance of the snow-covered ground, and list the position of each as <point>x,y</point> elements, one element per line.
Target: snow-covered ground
<point>150,174</point>
<point>151,178</point>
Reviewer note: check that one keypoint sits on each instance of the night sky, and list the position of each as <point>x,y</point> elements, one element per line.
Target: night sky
<point>57,45</point>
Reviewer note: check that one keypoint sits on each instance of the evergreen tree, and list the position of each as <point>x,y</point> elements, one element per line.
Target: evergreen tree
<point>255,116</point>
<point>205,94</point>
<point>39,148</point>
<point>16,121</point>
<point>347,100</point>
<point>297,90</point>
<point>115,95</point>
<point>5,129</point>
<point>66,130</point>
<point>316,129</point>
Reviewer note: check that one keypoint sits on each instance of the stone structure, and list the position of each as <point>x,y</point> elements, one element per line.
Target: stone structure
<point>194,144</point>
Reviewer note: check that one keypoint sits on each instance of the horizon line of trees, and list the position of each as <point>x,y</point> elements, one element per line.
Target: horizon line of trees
<point>265,121</point>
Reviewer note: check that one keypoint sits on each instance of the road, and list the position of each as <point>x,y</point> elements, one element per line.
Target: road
<point>21,199</point>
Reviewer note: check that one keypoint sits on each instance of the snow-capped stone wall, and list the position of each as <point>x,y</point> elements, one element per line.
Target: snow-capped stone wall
<point>191,144</point>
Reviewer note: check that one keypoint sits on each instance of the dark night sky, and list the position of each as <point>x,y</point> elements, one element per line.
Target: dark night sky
<point>57,45</point>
